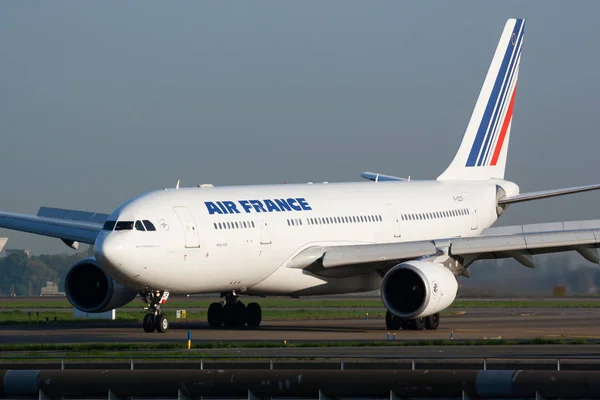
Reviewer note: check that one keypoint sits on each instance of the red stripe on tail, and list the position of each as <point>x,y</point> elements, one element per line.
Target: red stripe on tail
<point>505,124</point>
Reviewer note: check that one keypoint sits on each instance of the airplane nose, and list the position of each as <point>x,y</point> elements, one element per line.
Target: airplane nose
<point>111,253</point>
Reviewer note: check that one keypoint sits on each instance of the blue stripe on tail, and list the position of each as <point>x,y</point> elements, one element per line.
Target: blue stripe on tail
<point>504,98</point>
<point>485,122</point>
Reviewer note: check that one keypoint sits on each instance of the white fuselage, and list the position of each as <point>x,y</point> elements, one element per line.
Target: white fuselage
<point>219,239</point>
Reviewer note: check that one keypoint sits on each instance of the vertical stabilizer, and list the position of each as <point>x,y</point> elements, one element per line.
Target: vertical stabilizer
<point>483,150</point>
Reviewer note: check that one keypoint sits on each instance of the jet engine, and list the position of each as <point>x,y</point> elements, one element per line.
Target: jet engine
<point>90,289</point>
<point>416,289</point>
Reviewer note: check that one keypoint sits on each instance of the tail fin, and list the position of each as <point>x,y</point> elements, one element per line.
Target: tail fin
<point>482,152</point>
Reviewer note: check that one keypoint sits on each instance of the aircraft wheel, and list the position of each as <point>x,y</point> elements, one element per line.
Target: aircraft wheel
<point>239,314</point>
<point>148,323</point>
<point>432,322</point>
<point>228,315</point>
<point>419,324</point>
<point>392,322</point>
<point>253,315</point>
<point>215,315</point>
<point>406,324</point>
<point>162,323</point>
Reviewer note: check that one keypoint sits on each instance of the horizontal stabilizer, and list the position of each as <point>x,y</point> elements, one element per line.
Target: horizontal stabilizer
<point>545,194</point>
<point>375,177</point>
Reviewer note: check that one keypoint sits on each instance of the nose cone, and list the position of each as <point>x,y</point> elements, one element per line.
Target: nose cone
<point>115,257</point>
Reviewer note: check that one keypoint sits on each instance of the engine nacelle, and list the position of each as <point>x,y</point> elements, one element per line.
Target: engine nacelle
<point>89,289</point>
<point>418,288</point>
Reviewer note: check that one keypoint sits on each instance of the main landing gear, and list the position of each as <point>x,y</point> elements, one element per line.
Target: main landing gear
<point>154,320</point>
<point>234,314</point>
<point>431,322</point>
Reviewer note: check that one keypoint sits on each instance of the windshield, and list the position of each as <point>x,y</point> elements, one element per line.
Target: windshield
<point>109,225</point>
<point>149,225</point>
<point>124,226</point>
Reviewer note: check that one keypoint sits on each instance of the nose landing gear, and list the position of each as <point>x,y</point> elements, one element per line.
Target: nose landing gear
<point>234,314</point>
<point>154,320</point>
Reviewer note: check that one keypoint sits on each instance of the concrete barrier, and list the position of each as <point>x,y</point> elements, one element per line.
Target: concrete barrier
<point>299,383</point>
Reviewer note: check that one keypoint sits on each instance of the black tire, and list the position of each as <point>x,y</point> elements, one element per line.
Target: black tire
<point>392,322</point>
<point>419,324</point>
<point>162,323</point>
<point>253,315</point>
<point>239,315</point>
<point>407,324</point>
<point>228,315</point>
<point>432,322</point>
<point>215,315</point>
<point>148,323</point>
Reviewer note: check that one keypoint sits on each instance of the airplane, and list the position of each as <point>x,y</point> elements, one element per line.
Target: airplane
<point>410,239</point>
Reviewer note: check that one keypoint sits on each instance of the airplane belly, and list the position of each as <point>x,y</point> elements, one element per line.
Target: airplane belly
<point>298,282</point>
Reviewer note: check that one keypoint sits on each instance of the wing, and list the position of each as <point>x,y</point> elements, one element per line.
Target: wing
<point>520,242</point>
<point>71,226</point>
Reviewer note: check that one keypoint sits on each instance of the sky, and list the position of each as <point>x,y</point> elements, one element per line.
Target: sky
<point>102,101</point>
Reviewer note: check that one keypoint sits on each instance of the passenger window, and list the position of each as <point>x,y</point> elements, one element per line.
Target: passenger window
<point>215,224</point>
<point>109,225</point>
<point>300,221</point>
<point>139,226</point>
<point>236,225</point>
<point>149,225</point>
<point>124,226</point>
<point>253,224</point>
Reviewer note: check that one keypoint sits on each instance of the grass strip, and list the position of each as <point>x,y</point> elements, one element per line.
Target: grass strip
<point>87,349</point>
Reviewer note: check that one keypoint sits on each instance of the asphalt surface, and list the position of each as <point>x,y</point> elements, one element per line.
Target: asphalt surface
<point>474,324</point>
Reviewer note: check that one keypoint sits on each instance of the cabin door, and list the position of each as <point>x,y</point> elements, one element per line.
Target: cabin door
<point>395,220</point>
<point>265,232</point>
<point>472,211</point>
<point>188,224</point>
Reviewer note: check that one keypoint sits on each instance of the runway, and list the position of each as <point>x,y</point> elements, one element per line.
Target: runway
<point>516,324</point>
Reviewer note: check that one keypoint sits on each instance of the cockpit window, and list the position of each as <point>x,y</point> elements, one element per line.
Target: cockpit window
<point>109,225</point>
<point>124,226</point>
<point>149,225</point>
<point>139,226</point>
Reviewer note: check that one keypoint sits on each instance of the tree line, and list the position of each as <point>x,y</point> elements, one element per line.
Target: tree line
<point>23,275</point>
